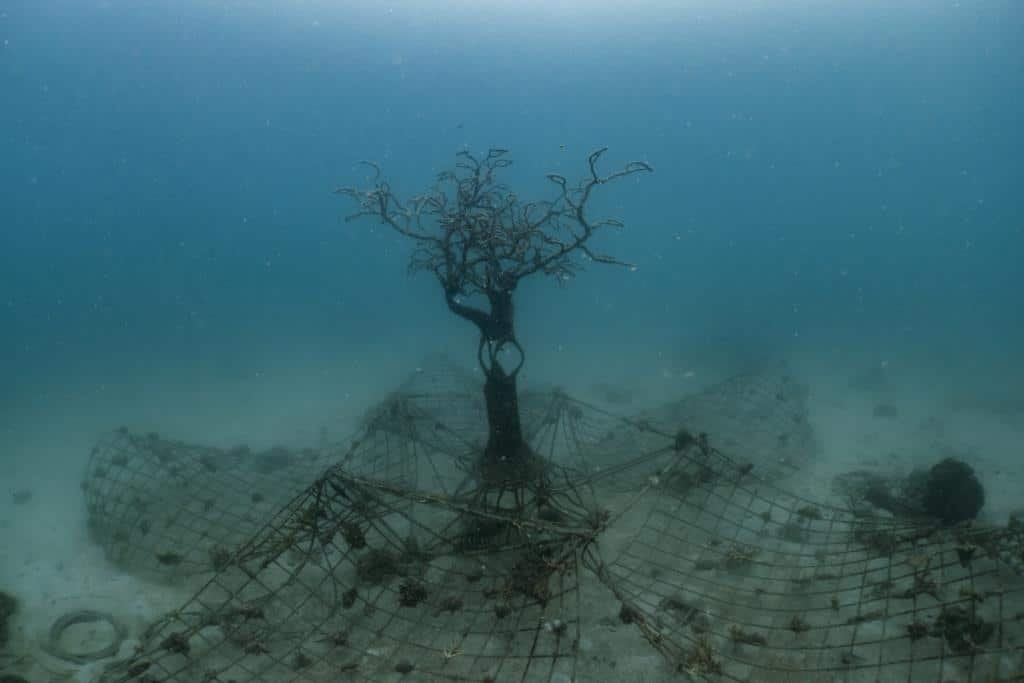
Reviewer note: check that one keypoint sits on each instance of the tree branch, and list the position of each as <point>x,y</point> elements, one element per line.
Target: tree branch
<point>478,238</point>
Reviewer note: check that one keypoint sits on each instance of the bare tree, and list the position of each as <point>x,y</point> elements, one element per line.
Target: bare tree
<point>480,240</point>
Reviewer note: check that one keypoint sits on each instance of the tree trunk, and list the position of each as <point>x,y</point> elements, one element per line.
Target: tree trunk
<point>507,459</point>
<point>505,431</point>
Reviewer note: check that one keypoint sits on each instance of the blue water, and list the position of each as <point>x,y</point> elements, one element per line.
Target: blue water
<point>829,176</point>
<point>837,185</point>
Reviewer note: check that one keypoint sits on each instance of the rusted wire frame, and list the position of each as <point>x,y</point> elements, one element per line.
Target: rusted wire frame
<point>784,593</point>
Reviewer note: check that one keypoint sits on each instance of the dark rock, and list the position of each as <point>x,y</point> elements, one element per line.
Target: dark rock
<point>949,492</point>
<point>952,493</point>
<point>21,497</point>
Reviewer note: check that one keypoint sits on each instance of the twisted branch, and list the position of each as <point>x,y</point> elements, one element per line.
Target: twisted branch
<point>478,238</point>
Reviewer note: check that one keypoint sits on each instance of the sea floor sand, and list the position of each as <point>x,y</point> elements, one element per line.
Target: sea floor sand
<point>49,562</point>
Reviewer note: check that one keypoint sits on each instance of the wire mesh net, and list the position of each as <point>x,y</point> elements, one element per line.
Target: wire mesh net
<point>383,559</point>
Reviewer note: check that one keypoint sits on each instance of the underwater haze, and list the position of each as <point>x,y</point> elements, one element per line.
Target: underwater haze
<point>836,186</point>
<point>827,175</point>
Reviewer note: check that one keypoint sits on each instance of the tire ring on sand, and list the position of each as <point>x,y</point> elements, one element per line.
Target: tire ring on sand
<point>84,616</point>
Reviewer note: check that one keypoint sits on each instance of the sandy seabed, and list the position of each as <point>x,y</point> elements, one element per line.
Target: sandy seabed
<point>50,563</point>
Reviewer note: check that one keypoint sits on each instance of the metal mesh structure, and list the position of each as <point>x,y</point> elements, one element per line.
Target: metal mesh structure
<point>649,553</point>
<point>759,415</point>
<point>737,579</point>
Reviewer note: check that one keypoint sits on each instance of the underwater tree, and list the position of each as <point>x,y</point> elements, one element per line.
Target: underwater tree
<point>479,239</point>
